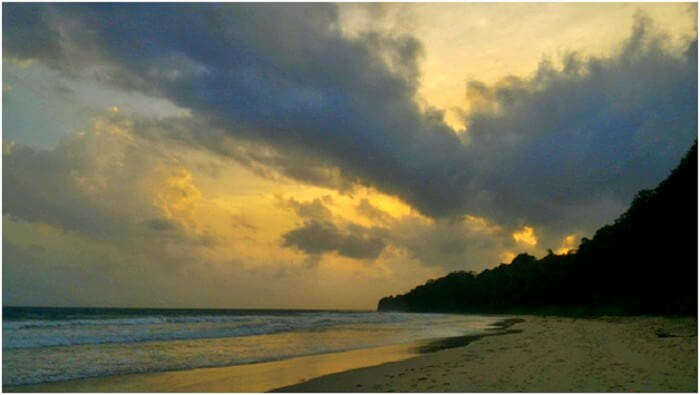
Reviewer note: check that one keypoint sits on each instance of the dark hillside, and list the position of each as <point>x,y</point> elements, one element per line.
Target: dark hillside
<point>643,263</point>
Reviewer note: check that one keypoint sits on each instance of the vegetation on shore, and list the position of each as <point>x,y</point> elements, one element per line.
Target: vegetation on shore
<point>643,263</point>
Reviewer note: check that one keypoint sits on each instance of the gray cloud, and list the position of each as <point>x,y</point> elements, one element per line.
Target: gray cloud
<point>322,233</point>
<point>574,145</point>
<point>564,149</point>
<point>319,237</point>
<point>280,89</point>
<point>370,211</point>
<point>448,243</point>
<point>160,225</point>
<point>451,244</point>
<point>313,210</point>
<point>39,187</point>
<point>283,75</point>
<point>100,183</point>
<point>98,191</point>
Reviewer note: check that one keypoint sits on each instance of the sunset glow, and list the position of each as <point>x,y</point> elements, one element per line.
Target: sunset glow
<point>323,156</point>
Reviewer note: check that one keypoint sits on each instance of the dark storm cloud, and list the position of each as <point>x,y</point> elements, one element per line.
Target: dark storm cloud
<point>319,237</point>
<point>570,142</point>
<point>281,74</point>
<point>545,150</point>
<point>322,233</point>
<point>31,33</point>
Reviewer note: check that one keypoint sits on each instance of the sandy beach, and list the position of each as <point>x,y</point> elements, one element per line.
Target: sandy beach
<point>618,354</point>
<point>532,354</point>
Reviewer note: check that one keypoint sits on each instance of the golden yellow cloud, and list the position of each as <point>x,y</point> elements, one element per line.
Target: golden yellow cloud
<point>568,244</point>
<point>526,236</point>
<point>177,196</point>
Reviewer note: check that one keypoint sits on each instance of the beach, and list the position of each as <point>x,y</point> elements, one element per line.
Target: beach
<point>531,354</point>
<point>257,377</point>
<point>551,354</point>
<point>145,350</point>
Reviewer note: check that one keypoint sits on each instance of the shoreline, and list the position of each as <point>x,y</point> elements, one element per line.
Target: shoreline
<point>259,376</point>
<point>497,328</point>
<point>254,377</point>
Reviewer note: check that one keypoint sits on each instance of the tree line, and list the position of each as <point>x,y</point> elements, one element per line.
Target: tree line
<point>643,263</point>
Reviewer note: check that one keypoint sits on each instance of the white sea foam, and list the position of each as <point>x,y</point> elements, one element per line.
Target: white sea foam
<point>42,350</point>
<point>68,332</point>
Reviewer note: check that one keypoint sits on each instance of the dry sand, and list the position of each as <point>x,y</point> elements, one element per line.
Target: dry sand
<point>639,354</point>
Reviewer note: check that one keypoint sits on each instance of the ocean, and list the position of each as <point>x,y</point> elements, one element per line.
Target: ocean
<point>42,345</point>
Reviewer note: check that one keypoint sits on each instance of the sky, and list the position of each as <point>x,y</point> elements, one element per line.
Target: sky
<point>323,155</point>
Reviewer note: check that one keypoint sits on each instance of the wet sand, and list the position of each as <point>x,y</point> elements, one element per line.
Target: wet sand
<point>258,377</point>
<point>616,354</point>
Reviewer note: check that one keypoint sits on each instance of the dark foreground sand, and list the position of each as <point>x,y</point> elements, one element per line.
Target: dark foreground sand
<point>641,354</point>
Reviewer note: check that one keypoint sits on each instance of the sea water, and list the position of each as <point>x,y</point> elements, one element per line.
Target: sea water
<point>53,344</point>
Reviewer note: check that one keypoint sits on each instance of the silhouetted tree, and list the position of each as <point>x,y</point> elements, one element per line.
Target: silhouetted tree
<point>645,262</point>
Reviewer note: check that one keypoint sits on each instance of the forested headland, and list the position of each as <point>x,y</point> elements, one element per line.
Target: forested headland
<point>644,263</point>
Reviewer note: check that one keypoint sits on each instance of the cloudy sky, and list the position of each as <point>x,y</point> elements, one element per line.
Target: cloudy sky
<point>323,156</point>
